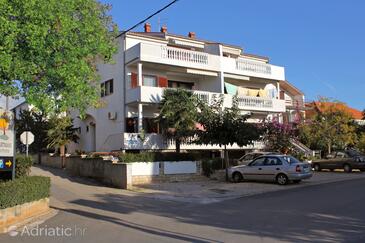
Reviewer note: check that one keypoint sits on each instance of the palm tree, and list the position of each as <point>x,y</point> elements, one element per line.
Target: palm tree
<point>178,115</point>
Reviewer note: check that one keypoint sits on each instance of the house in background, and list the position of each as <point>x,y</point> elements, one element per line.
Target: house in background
<point>294,102</point>
<point>149,62</point>
<point>315,107</point>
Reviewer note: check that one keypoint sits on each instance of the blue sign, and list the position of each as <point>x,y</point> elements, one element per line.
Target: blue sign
<point>2,165</point>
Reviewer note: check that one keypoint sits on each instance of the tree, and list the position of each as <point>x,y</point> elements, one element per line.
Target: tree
<point>37,123</point>
<point>49,48</point>
<point>277,136</point>
<point>60,133</point>
<point>178,115</point>
<point>225,126</point>
<point>332,127</point>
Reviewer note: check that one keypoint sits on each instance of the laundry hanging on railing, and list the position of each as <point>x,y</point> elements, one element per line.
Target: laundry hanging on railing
<point>230,88</point>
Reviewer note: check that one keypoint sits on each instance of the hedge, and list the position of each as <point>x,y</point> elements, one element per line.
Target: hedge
<point>23,165</point>
<point>160,156</point>
<point>23,190</point>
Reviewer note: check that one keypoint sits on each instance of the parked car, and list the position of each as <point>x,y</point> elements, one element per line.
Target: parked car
<point>272,167</point>
<point>346,160</point>
<point>247,158</point>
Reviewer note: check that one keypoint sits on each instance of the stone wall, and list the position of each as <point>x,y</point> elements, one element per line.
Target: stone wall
<point>125,175</point>
<point>20,213</point>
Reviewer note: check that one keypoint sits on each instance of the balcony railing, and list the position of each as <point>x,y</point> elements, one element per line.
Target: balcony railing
<point>157,141</point>
<point>184,55</point>
<point>147,94</point>
<point>250,66</point>
<point>255,102</point>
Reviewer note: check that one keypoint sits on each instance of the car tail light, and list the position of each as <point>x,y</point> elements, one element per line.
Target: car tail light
<point>298,168</point>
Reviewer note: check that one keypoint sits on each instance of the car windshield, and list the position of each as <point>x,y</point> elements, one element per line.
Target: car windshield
<point>291,159</point>
<point>354,153</point>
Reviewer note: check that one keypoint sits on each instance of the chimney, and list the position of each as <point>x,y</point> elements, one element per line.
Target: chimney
<point>192,35</point>
<point>147,27</point>
<point>163,29</point>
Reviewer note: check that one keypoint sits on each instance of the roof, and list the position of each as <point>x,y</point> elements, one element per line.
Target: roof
<point>323,106</point>
<point>290,87</point>
<point>162,36</point>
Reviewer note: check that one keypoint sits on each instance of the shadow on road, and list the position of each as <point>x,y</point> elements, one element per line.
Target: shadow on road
<point>305,215</point>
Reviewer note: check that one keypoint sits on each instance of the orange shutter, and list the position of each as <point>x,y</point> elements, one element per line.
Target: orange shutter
<point>134,80</point>
<point>162,82</point>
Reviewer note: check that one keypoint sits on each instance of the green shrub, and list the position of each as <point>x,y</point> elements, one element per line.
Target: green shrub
<point>23,190</point>
<point>159,156</point>
<point>23,165</point>
<point>211,165</point>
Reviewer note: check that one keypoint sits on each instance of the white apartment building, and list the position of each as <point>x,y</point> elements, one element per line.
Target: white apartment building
<point>148,62</point>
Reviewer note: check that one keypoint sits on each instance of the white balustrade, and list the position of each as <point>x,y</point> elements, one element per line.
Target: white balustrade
<point>184,55</point>
<point>254,102</point>
<point>256,67</point>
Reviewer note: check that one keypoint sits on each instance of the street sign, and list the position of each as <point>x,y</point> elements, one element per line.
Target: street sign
<point>7,143</point>
<point>27,138</point>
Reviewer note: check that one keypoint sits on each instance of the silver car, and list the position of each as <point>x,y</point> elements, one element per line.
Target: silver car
<point>279,168</point>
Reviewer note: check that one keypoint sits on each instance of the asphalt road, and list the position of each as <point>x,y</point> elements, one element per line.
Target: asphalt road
<point>332,212</point>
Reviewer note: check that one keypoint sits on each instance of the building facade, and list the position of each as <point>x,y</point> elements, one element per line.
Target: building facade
<point>148,62</point>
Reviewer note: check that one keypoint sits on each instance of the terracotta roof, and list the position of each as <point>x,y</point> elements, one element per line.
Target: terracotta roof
<point>322,106</point>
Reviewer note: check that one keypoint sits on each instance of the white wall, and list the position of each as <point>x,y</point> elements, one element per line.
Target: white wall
<point>145,168</point>
<point>181,167</point>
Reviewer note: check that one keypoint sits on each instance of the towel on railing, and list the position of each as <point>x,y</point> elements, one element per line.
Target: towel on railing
<point>263,93</point>
<point>230,88</point>
<point>253,92</point>
<point>242,91</point>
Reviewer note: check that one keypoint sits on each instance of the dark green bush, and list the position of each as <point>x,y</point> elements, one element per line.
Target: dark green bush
<point>23,190</point>
<point>23,165</point>
<point>211,165</point>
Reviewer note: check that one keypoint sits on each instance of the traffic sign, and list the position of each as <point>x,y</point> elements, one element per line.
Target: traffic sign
<point>6,163</point>
<point>7,144</point>
<point>27,138</point>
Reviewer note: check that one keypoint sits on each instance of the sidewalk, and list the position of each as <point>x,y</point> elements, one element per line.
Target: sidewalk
<point>211,191</point>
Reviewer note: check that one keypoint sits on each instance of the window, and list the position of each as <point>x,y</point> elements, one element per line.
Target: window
<point>341,155</point>
<point>107,88</point>
<point>182,85</point>
<point>272,161</point>
<point>149,81</point>
<point>131,125</point>
<point>291,160</point>
<point>150,125</point>
<point>258,161</point>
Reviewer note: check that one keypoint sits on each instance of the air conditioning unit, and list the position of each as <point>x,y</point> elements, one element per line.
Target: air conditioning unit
<point>112,115</point>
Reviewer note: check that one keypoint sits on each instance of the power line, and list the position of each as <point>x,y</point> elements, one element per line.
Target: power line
<point>155,13</point>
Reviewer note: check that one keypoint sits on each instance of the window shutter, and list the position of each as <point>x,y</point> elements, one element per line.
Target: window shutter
<point>162,82</point>
<point>282,95</point>
<point>134,80</point>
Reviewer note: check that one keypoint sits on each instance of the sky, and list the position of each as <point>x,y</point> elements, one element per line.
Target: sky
<point>321,44</point>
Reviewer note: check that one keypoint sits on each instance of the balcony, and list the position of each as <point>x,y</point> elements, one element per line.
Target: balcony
<point>172,56</point>
<point>157,141</point>
<point>146,94</point>
<point>252,68</point>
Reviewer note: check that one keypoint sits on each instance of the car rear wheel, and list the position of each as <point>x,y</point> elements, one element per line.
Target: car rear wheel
<point>347,168</point>
<point>282,179</point>
<point>237,177</point>
<point>317,167</point>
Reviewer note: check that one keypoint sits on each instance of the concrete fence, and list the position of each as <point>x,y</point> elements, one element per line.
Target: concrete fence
<point>125,175</point>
